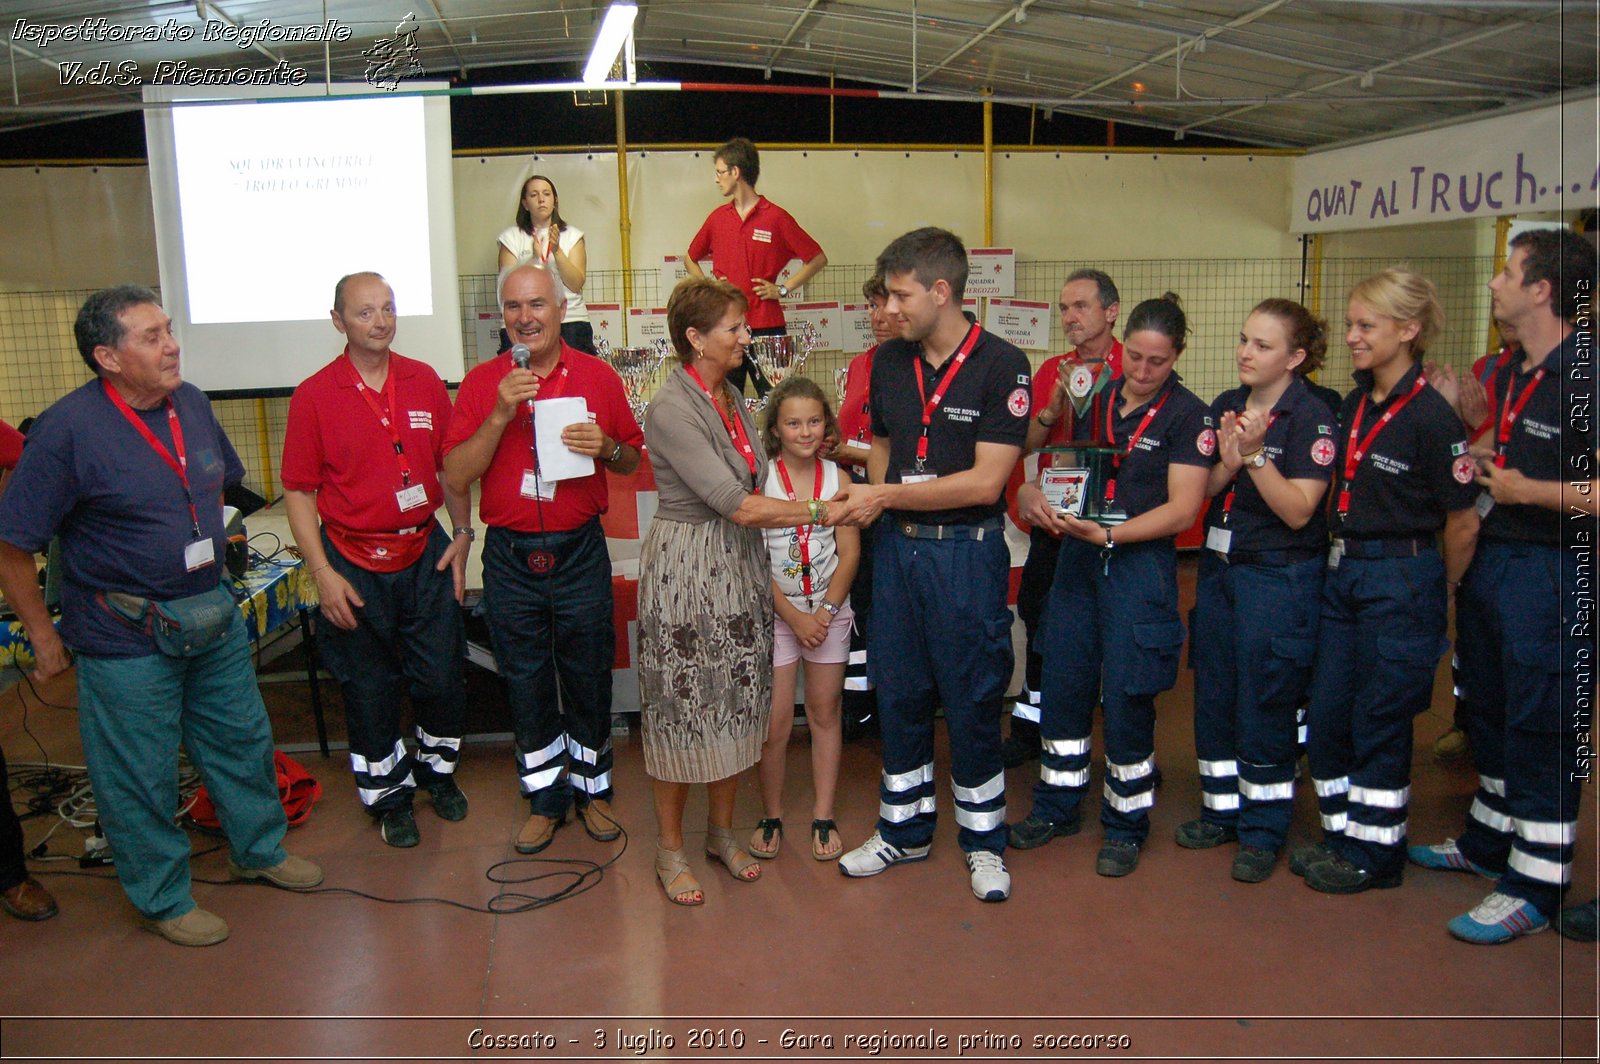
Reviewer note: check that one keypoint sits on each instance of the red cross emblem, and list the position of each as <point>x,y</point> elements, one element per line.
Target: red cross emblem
<point>542,562</point>
<point>1322,451</point>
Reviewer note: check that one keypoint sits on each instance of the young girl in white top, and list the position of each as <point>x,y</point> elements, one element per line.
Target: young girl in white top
<point>812,569</point>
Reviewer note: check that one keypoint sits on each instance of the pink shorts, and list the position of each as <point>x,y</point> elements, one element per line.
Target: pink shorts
<point>834,650</point>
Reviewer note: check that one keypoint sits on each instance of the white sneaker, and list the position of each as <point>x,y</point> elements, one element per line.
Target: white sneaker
<point>990,880</point>
<point>874,855</point>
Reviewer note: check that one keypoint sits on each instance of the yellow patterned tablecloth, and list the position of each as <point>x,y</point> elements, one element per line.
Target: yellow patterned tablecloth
<point>274,592</point>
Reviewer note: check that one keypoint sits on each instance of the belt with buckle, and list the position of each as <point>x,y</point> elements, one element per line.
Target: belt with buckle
<point>1274,558</point>
<point>1387,547</point>
<point>912,530</point>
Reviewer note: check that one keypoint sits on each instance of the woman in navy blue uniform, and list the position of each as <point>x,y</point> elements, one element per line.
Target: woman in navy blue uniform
<point>1113,606</point>
<point>1257,603</point>
<point>1403,475</point>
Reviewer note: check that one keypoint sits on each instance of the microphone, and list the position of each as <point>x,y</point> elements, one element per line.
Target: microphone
<point>521,357</point>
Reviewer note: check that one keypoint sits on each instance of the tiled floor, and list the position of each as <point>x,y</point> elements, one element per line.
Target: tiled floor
<point>1177,957</point>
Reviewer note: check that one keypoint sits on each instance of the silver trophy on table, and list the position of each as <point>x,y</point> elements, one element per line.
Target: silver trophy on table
<point>637,366</point>
<point>780,356</point>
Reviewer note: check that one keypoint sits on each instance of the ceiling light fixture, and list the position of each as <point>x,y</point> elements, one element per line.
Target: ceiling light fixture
<point>615,38</point>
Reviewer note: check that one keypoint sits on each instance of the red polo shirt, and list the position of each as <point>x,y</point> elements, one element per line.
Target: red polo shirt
<point>501,503</point>
<point>10,446</point>
<point>1044,383</point>
<point>335,445</point>
<point>758,245</point>
<point>855,417</point>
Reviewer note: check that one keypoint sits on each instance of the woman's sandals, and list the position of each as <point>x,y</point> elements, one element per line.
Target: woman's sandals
<point>824,847</point>
<point>720,846</point>
<point>676,879</point>
<point>767,839</point>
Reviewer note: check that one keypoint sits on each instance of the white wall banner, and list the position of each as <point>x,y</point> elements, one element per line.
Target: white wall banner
<point>606,320</point>
<point>991,272</point>
<point>1537,160</point>
<point>646,325</point>
<point>824,317</point>
<point>857,324</point>
<point>1023,323</point>
<point>674,270</point>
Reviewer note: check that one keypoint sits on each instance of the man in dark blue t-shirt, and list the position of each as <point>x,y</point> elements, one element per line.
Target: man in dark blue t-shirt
<point>128,471</point>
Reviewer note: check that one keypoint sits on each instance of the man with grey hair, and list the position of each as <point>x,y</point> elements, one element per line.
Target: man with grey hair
<point>129,471</point>
<point>546,569</point>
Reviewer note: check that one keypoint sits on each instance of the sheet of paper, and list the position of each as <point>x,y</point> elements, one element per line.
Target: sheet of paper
<point>550,416</point>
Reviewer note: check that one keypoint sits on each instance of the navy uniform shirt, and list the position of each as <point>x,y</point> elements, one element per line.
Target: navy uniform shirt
<point>1301,442</point>
<point>1535,446</point>
<point>988,402</point>
<point>1416,471</point>
<point>119,508</point>
<point>1182,432</point>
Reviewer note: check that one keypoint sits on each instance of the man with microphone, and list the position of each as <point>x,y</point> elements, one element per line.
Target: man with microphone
<point>546,570</point>
<point>362,452</point>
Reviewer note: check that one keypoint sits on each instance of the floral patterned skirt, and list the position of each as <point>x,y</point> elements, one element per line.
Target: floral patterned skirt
<point>705,649</point>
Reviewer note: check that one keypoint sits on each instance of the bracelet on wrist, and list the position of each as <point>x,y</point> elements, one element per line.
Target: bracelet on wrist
<point>616,452</point>
<point>465,530</point>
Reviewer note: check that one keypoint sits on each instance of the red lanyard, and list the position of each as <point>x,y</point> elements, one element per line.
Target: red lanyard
<point>1508,415</point>
<point>1227,502</point>
<point>180,464</point>
<point>1133,441</point>
<point>555,385</point>
<point>930,405</point>
<point>735,427</point>
<point>384,413</point>
<point>1354,454</point>
<point>803,532</point>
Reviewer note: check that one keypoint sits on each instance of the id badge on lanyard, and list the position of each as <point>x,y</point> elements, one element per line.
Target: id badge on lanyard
<point>535,487</point>
<point>198,552</point>
<point>198,555</point>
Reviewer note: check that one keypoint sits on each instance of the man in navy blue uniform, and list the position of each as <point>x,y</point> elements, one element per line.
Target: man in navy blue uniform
<point>1521,634</point>
<point>129,471</point>
<point>950,410</point>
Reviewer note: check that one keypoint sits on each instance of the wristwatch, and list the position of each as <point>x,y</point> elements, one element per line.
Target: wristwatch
<point>1259,459</point>
<point>616,452</point>
<point>833,611</point>
<point>466,530</point>
<point>783,291</point>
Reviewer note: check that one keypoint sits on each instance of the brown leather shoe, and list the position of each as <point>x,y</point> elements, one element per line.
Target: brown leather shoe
<point>291,873</point>
<point>194,928</point>
<point>599,821</point>
<point>537,832</point>
<point>29,901</point>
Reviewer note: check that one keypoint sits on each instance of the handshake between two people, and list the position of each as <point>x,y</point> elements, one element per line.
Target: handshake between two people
<point>858,505</point>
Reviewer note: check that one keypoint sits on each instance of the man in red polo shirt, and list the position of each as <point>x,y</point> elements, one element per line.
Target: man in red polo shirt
<point>546,570</point>
<point>362,451</point>
<point>1069,407</point>
<point>750,239</point>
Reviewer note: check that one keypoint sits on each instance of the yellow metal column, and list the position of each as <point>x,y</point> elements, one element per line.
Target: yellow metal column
<point>624,223</point>
<point>1502,234</point>
<point>988,171</point>
<point>267,477</point>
